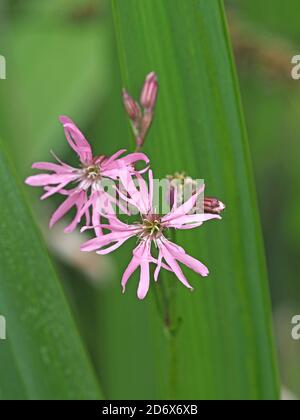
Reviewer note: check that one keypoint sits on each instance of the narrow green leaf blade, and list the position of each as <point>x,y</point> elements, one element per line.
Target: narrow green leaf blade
<point>42,357</point>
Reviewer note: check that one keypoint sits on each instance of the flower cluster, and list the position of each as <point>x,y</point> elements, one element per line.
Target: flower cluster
<point>84,189</point>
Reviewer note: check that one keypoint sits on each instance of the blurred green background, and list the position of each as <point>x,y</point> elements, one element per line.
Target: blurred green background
<point>62,59</point>
<point>266,36</point>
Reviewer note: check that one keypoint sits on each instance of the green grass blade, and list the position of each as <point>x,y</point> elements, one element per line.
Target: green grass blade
<point>224,348</point>
<point>43,357</point>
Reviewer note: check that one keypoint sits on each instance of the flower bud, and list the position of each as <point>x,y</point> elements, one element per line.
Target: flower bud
<point>213,205</point>
<point>149,92</point>
<point>131,107</point>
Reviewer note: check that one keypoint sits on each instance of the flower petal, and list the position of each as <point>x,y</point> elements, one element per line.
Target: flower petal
<point>180,255</point>
<point>144,280</point>
<point>53,190</point>
<point>101,241</point>
<point>48,166</point>
<point>133,158</point>
<point>132,267</point>
<point>190,221</point>
<point>139,197</point>
<point>79,204</point>
<point>42,180</point>
<point>185,208</point>
<point>171,261</point>
<point>151,189</point>
<point>64,208</point>
<point>96,218</point>
<point>158,268</point>
<point>142,258</point>
<point>112,248</point>
<point>112,158</point>
<point>143,252</point>
<point>77,140</point>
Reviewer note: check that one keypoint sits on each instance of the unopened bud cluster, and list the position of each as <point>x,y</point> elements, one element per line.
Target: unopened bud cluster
<point>141,114</point>
<point>180,183</point>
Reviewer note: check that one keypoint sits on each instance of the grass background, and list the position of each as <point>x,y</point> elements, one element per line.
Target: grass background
<point>73,57</point>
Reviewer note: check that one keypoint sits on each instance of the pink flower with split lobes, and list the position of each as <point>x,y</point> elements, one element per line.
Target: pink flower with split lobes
<point>86,191</point>
<point>152,229</point>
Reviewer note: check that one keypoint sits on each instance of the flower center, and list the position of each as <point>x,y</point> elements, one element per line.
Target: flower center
<point>92,172</point>
<point>151,227</point>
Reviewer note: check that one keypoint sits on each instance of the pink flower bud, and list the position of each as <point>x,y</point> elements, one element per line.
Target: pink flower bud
<point>149,92</point>
<point>146,122</point>
<point>131,107</point>
<point>213,205</point>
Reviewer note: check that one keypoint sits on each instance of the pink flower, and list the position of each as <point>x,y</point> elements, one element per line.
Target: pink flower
<point>152,229</point>
<point>88,192</point>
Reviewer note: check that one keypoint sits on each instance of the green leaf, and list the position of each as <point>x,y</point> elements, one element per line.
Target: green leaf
<point>43,357</point>
<point>268,30</point>
<point>224,345</point>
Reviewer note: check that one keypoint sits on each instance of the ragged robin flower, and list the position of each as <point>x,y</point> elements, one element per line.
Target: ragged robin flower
<point>86,191</point>
<point>152,229</point>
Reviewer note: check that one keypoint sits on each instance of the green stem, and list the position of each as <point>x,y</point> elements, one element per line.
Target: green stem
<point>165,295</point>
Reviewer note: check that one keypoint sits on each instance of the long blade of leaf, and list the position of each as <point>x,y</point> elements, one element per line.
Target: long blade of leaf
<point>224,345</point>
<point>42,357</point>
